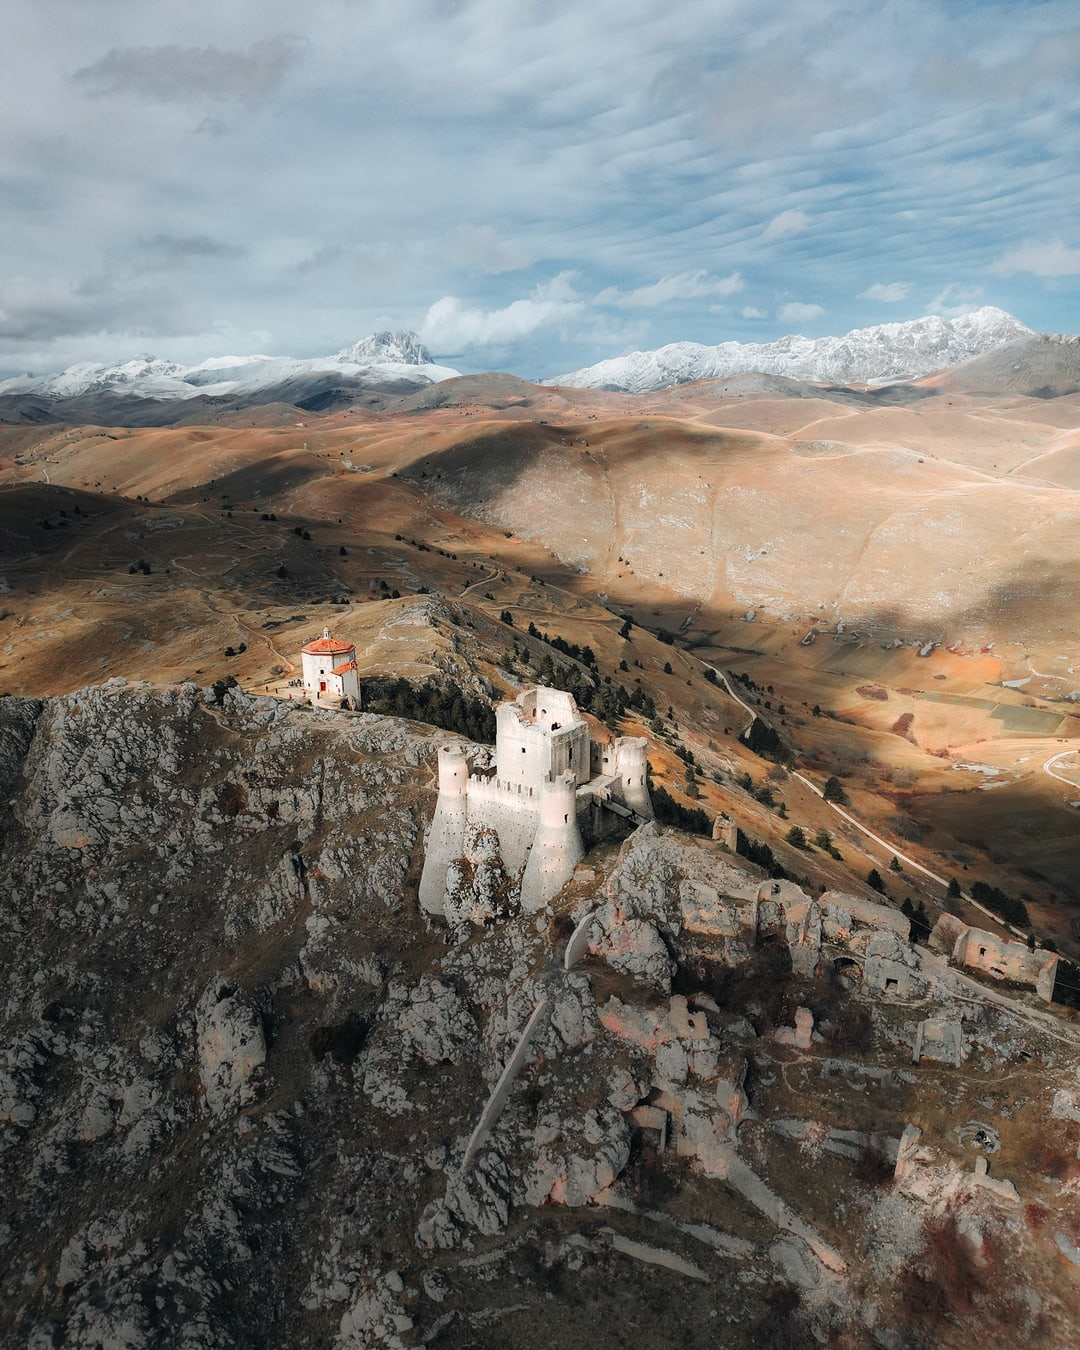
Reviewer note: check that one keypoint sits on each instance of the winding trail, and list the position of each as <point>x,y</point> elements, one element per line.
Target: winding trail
<point>1054,759</point>
<point>495,575</point>
<point>885,844</point>
<point>722,677</point>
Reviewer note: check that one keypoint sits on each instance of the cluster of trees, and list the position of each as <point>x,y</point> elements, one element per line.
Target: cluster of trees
<point>447,706</point>
<point>670,812</point>
<point>585,655</point>
<point>760,854</point>
<point>763,740</point>
<point>834,791</point>
<point>1067,984</point>
<point>1005,906</point>
<point>918,918</point>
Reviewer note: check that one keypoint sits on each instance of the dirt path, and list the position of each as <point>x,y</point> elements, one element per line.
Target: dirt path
<point>495,575</point>
<point>1054,759</point>
<point>731,692</point>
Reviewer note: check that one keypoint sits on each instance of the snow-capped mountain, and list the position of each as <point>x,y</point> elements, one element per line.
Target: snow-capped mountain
<point>886,352</point>
<point>396,358</point>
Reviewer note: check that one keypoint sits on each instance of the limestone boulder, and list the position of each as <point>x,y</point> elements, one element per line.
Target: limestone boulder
<point>432,1021</point>
<point>231,1046</point>
<point>578,1157</point>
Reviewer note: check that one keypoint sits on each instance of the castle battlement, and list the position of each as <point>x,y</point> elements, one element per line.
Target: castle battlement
<point>548,776</point>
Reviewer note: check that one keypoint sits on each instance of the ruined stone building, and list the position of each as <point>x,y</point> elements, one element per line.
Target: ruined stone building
<point>551,785</point>
<point>976,949</point>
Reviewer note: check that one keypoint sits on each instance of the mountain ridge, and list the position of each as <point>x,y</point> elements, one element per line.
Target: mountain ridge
<point>390,356</point>
<point>879,354</point>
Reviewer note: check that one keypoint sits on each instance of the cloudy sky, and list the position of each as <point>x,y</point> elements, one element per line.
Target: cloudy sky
<point>531,185</point>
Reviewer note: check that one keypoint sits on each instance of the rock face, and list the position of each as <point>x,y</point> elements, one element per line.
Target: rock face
<point>231,1046</point>
<point>635,916</point>
<point>250,1096</point>
<point>477,886</point>
<point>177,874</point>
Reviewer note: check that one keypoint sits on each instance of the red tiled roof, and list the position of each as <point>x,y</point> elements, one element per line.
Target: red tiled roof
<point>329,646</point>
<point>341,670</point>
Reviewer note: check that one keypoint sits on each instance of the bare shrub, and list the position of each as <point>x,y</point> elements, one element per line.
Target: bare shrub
<point>874,1166</point>
<point>854,1028</point>
<point>946,1281</point>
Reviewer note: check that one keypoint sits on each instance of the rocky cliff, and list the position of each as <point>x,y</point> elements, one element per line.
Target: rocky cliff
<point>249,1097</point>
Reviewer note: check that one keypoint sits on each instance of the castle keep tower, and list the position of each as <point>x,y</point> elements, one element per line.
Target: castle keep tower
<point>544,786</point>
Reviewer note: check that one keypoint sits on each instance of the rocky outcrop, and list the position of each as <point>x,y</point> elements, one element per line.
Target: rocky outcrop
<point>637,911</point>
<point>250,1097</point>
<point>231,1046</point>
<point>478,888</point>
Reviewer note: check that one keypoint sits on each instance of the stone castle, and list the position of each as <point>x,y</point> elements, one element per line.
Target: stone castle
<point>551,788</point>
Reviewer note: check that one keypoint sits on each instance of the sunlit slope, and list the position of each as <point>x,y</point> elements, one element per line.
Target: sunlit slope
<point>874,534</point>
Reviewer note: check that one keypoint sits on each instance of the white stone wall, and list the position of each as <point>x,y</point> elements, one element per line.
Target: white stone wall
<point>318,668</point>
<point>1007,960</point>
<point>446,841</point>
<point>626,759</point>
<point>446,838</point>
<point>540,736</point>
<point>512,811</point>
<point>349,685</point>
<point>557,848</point>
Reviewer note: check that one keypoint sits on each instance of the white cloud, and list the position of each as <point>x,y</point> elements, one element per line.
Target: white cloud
<point>886,292</point>
<point>625,138</point>
<point>797,312</point>
<point>1052,259</point>
<point>681,286</point>
<point>787,222</point>
<point>449,326</point>
<point>751,312</point>
<point>955,300</point>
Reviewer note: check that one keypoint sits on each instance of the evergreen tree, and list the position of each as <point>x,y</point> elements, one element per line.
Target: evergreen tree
<point>874,880</point>
<point>669,812</point>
